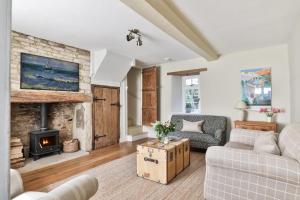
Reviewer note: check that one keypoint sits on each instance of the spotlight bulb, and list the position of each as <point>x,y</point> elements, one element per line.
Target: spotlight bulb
<point>139,41</point>
<point>129,37</point>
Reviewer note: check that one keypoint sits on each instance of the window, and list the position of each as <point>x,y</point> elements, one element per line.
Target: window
<point>191,94</point>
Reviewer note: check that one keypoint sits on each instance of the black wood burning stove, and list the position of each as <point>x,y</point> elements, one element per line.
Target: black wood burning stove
<point>44,141</point>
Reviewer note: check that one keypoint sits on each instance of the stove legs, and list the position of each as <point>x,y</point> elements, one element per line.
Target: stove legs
<point>36,158</point>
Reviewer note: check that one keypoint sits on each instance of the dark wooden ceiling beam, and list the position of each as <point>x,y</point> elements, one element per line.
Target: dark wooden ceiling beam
<point>190,72</point>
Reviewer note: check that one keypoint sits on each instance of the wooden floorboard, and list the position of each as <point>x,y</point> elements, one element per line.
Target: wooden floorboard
<point>40,178</point>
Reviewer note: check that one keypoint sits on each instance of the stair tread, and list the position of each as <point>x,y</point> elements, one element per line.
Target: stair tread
<point>135,130</point>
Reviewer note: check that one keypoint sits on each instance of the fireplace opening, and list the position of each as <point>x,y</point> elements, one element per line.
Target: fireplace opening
<point>44,141</point>
<point>47,141</point>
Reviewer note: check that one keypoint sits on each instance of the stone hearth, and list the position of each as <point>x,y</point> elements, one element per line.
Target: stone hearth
<point>31,165</point>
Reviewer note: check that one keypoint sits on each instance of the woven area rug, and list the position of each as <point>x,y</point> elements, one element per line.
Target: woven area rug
<point>118,180</point>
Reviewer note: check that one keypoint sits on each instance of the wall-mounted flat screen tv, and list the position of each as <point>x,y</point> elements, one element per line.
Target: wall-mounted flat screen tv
<point>42,73</point>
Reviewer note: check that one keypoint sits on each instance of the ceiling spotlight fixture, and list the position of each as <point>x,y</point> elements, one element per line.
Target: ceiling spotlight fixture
<point>135,33</point>
<point>139,41</point>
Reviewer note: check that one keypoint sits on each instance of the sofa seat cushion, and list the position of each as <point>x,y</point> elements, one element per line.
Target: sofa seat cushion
<point>203,140</point>
<point>238,145</point>
<point>266,165</point>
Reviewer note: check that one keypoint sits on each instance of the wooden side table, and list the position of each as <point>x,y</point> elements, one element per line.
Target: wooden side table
<point>256,125</point>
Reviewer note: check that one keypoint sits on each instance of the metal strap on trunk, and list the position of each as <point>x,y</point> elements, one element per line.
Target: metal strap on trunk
<point>151,160</point>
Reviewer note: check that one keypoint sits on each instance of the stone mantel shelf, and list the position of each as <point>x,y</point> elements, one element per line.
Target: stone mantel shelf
<point>23,96</point>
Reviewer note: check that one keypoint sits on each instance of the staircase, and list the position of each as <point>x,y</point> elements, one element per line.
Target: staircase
<point>135,130</point>
<point>134,99</point>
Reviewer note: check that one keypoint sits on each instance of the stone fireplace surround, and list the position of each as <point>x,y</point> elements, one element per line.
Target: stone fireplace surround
<point>60,117</point>
<point>73,120</point>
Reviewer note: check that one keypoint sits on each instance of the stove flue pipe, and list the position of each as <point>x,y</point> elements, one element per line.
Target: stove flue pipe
<point>44,116</point>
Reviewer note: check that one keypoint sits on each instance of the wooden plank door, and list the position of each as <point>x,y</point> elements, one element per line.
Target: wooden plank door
<point>115,115</point>
<point>106,116</point>
<point>150,96</point>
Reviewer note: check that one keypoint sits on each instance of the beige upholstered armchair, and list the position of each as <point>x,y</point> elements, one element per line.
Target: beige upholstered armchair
<point>79,188</point>
<point>237,171</point>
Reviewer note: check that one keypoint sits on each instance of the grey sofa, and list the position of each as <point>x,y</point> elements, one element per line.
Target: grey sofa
<point>214,129</point>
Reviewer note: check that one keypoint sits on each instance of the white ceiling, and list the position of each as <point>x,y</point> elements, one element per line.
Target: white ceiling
<point>229,25</point>
<point>235,25</point>
<point>95,25</point>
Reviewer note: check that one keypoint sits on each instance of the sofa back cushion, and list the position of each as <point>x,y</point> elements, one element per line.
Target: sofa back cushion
<point>192,126</point>
<point>289,141</point>
<point>210,125</point>
<point>267,143</point>
<point>246,136</point>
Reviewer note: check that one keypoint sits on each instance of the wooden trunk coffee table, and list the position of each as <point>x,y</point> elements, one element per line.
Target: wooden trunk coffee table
<point>162,162</point>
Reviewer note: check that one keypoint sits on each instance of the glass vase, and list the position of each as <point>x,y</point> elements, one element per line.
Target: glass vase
<point>161,139</point>
<point>270,119</point>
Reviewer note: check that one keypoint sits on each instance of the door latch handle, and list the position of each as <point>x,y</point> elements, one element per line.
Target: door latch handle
<point>99,99</point>
<point>99,136</point>
<point>116,104</point>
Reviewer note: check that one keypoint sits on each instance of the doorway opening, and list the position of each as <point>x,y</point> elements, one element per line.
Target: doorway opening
<point>134,103</point>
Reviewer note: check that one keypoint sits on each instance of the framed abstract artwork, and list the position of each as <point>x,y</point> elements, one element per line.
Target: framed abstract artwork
<point>42,73</point>
<point>257,86</point>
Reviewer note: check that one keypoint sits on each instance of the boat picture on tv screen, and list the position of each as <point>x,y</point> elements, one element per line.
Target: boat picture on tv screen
<point>42,73</point>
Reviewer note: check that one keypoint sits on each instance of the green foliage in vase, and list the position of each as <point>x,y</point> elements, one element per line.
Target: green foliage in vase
<point>163,129</point>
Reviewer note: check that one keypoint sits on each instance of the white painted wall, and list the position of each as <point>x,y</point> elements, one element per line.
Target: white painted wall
<point>177,102</point>
<point>5,29</point>
<point>123,111</point>
<point>84,134</point>
<point>294,56</point>
<point>134,94</point>
<point>97,58</point>
<point>220,85</point>
<point>108,68</point>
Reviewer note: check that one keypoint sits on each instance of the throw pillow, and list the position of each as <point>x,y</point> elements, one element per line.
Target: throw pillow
<point>289,141</point>
<point>266,143</point>
<point>192,126</point>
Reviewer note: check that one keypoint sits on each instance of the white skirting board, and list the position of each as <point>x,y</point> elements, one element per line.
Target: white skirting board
<point>137,137</point>
<point>123,139</point>
<point>148,132</point>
